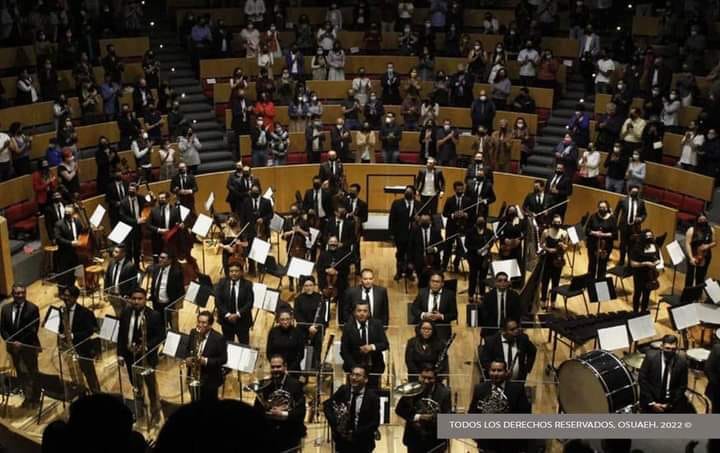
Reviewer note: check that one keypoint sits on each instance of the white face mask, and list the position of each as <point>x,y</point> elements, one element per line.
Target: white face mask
<point>446,127</point>
<point>673,97</point>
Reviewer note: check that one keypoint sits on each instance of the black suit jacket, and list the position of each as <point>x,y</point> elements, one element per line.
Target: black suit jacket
<point>286,433</point>
<point>451,206</point>
<point>471,172</point>
<point>621,211</point>
<point>712,371</point>
<point>447,306</point>
<point>248,214</point>
<point>216,352</point>
<point>564,188</point>
<point>401,219</point>
<point>348,230</point>
<point>339,143</point>
<point>361,209</point>
<point>514,391</point>
<point>190,183</point>
<point>27,326</point>
<point>66,256</point>
<point>83,326</point>
<point>415,247</point>
<point>155,335</point>
<point>325,199</point>
<point>226,306</point>
<point>326,173</point>
<point>439,180</point>
<point>414,437</point>
<point>113,196</point>
<point>368,421</point>
<point>51,217</point>
<point>381,305</point>
<point>530,204</point>
<point>487,192</point>
<point>128,276</point>
<point>175,285</point>
<point>513,308</point>
<point>650,381</point>
<point>493,350</point>
<point>125,213</point>
<point>351,342</point>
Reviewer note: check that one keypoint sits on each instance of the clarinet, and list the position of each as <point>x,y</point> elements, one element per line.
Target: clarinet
<point>443,353</point>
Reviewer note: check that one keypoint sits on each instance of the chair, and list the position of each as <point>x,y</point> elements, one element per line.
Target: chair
<point>273,268</point>
<point>621,273</point>
<point>575,288</point>
<point>51,385</point>
<point>672,199</point>
<point>689,209</point>
<point>653,193</point>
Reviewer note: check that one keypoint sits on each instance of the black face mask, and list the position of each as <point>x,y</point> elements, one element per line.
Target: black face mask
<point>255,194</point>
<point>426,225</point>
<point>408,196</point>
<point>669,355</point>
<point>316,185</point>
<point>352,195</point>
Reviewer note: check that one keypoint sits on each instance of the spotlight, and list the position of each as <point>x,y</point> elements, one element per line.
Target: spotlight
<point>619,28</point>
<point>161,46</point>
<point>172,69</point>
<point>182,95</point>
<point>152,23</point>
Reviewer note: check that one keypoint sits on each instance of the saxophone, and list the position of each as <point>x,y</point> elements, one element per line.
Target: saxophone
<point>194,367</point>
<point>495,403</point>
<point>67,344</point>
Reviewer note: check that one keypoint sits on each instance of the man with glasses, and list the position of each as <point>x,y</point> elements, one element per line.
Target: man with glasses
<point>436,304</point>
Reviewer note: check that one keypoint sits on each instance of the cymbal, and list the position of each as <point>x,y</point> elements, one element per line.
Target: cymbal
<point>634,360</point>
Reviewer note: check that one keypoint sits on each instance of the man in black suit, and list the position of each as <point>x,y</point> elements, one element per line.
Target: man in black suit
<point>363,405</point>
<point>332,171</point>
<point>422,257</point>
<point>116,191</point>
<point>430,184</point>
<point>208,349</point>
<point>234,302</point>
<point>163,218</point>
<point>54,211</point>
<point>67,231</point>
<point>390,82</point>
<point>238,186</point>
<point>120,278</point>
<point>287,424</point>
<point>557,189</point>
<point>436,304</point>
<point>82,326</point>
<point>319,199</point>
<point>456,212</point>
<point>481,193</point>
<point>141,330</point>
<point>478,163</point>
<point>184,186</point>
<point>536,201</point>
<point>363,341</point>
<point>19,323</point>
<point>502,302</point>
<point>630,213</point>
<point>340,140</point>
<point>330,262</point>
<point>663,380</point>
<point>375,296</point>
<point>357,210</point>
<point>341,226</point>
<point>478,242</point>
<point>420,434</point>
<point>257,212</point>
<point>512,346</point>
<point>166,288</point>
<point>492,391</point>
<point>131,214</point>
<point>402,216</point>
<point>712,371</point>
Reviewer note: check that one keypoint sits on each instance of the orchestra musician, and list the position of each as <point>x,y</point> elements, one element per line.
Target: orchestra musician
<point>67,231</point>
<point>363,406</point>
<point>420,413</point>
<point>430,184</point>
<point>19,323</point>
<point>511,236</point>
<point>238,186</point>
<point>296,233</point>
<point>663,380</point>
<point>120,278</point>
<point>332,171</point>
<point>699,242</point>
<point>478,163</point>
<point>184,186</point>
<point>376,297</point>
<point>312,312</point>
<point>456,211</point>
<point>437,304</point>
<point>131,214</point>
<point>341,226</point>
<point>332,271</point>
<point>400,222</point>
<point>257,212</point>
<point>141,331</point>
<point>233,244</point>
<point>163,218</point>
<point>424,347</point>
<point>286,340</point>
<point>116,192</point>
<point>478,243</point>
<point>166,288</point>
<point>712,371</point>
<point>210,350</point>
<point>644,258</point>
<point>502,302</point>
<point>234,301</point>
<point>357,210</point>
<point>600,231</point>
<point>499,394</point>
<point>424,249</point>
<point>54,211</point>
<point>512,346</point>
<point>536,201</point>
<point>481,193</point>
<point>558,188</point>
<point>318,199</point>
<point>82,326</point>
<point>282,401</point>
<point>630,213</point>
<point>553,243</point>
<point>363,341</point>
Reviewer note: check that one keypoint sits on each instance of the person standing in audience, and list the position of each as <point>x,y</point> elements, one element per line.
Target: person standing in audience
<point>314,140</point>
<point>710,155</point>
<point>319,65</point>
<point>390,137</point>
<point>69,173</point>
<point>336,62</point>
<point>373,111</point>
<point>699,242</point>
<point>548,73</point>
<point>482,112</point>
<point>589,166</point>
<point>351,110</point>
<point>501,140</point>
<point>615,168</point>
<point>608,128</point>
<point>410,110</point>
<point>691,143</point>
<point>190,146</point>
<point>341,140</point>
<point>365,144</point>
<point>636,170</point>
<point>631,133</point>
<point>523,102</point>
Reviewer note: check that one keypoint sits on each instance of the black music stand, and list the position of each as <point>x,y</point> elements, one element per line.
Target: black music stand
<point>597,292</point>
<point>580,231</point>
<point>688,295</point>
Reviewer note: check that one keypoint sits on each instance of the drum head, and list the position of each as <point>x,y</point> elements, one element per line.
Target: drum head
<point>579,389</point>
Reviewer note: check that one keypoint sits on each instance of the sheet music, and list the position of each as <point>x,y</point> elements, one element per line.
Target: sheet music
<point>641,327</point>
<point>97,217</point>
<point>613,338</point>
<point>259,290</point>
<point>314,233</point>
<point>271,300</point>
<point>52,321</point>
<point>573,235</point>
<point>172,341</point>
<point>602,290</point>
<point>202,225</point>
<point>183,213</point>
<point>120,232</point>
<point>210,200</point>
<point>708,313</point>
<point>268,195</point>
<point>109,329</point>
<point>192,292</point>
<point>494,226</point>
<point>299,267</point>
<point>276,223</point>
<point>234,356</point>
<point>685,316</point>
<point>675,251</point>
<point>259,251</point>
<point>510,267</point>
<point>712,289</point>
<point>248,359</point>
<point>211,81</point>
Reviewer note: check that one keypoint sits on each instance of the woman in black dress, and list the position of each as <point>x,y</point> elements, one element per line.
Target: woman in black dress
<point>286,339</point>
<point>600,231</point>
<point>424,347</point>
<point>312,314</point>
<point>553,243</point>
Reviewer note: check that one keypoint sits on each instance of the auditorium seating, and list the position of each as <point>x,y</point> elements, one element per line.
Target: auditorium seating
<point>22,218</point>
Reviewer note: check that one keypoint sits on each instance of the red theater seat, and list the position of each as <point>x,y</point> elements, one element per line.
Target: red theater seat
<point>653,193</point>
<point>672,199</point>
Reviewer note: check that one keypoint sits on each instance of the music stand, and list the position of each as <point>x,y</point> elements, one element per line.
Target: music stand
<point>576,234</point>
<point>683,318</point>
<point>688,295</point>
<point>601,291</point>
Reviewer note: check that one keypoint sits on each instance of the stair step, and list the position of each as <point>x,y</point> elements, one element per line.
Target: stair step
<point>577,95</point>
<point>192,89</point>
<point>184,82</point>
<point>192,98</point>
<point>547,141</point>
<point>563,113</point>
<point>556,121</point>
<point>210,135</point>
<point>201,116</point>
<point>556,131</point>
<point>195,107</point>
<point>575,86</point>
<point>167,65</point>
<point>540,160</point>
<point>213,145</point>
<point>533,170</point>
<point>211,167</point>
<point>545,150</point>
<point>206,125</point>
<point>215,156</point>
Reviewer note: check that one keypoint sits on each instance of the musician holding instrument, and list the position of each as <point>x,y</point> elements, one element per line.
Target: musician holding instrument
<point>511,236</point>
<point>430,184</point>
<point>341,226</point>
<point>457,211</point>
<point>630,213</point>
<point>558,188</point>
<point>553,243</point>
<point>131,209</point>
<point>54,211</point>
<point>511,345</point>
<point>120,278</point>
<point>282,401</point>
<point>481,194</point>
<point>644,258</point>
<point>478,242</point>
<point>319,201</point>
<point>420,408</point>
<point>67,233</point>
<point>400,222</point>
<point>163,218</point>
<point>233,244</point>
<point>699,242</point>
<point>600,231</point>
<point>436,304</point>
<point>333,267</point>
<point>296,233</point>
<point>500,395</point>
<point>234,302</point>
<point>357,210</point>
<point>206,353</point>
<point>363,341</point>
<point>140,333</point>
<point>478,163</point>
<point>184,186</point>
<point>257,213</point>
<point>663,380</point>
<point>19,323</point>
<point>536,201</point>
<point>237,188</point>
<point>502,302</point>
<point>116,192</point>
<point>312,312</point>
<point>353,413</point>
<point>286,339</point>
<point>424,249</point>
<point>425,347</point>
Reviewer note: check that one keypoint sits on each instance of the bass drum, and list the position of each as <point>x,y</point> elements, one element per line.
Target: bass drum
<point>596,383</point>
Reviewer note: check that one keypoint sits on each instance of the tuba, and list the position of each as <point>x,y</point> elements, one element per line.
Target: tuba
<point>495,403</point>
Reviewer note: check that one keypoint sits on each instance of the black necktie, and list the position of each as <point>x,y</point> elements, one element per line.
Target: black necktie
<point>136,331</point>
<point>502,306</point>
<point>509,356</point>
<point>353,410</point>
<point>116,272</point>
<point>233,296</point>
<point>367,299</point>
<point>132,207</point>
<point>255,205</point>
<point>59,210</point>
<point>435,302</point>
<point>162,214</point>
<point>182,182</point>
<point>18,311</point>
<point>363,332</point>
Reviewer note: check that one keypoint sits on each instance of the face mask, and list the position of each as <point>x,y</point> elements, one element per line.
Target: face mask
<point>314,98</point>
<point>498,49</point>
<point>353,195</point>
<point>617,150</point>
<point>556,225</point>
<point>634,194</point>
<point>316,185</point>
<point>669,355</point>
<point>673,97</point>
<point>636,157</point>
<point>339,126</point>
<point>447,128</point>
<point>520,125</point>
<point>483,98</point>
<point>388,121</point>
<point>255,194</point>
<point>655,92</point>
<point>408,196</point>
